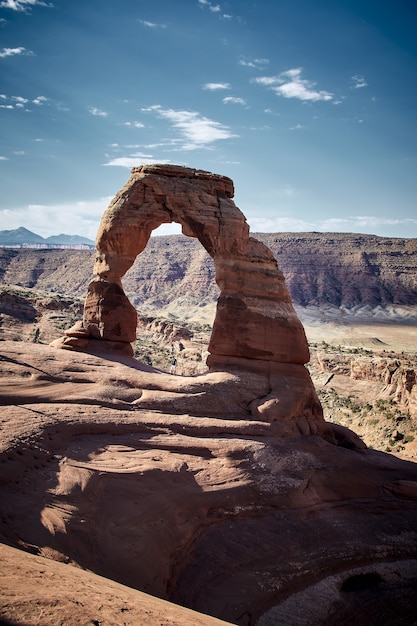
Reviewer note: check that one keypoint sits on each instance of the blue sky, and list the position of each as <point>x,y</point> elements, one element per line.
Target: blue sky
<point>308,105</point>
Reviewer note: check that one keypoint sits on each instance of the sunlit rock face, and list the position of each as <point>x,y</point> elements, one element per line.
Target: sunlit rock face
<point>212,491</point>
<point>256,329</point>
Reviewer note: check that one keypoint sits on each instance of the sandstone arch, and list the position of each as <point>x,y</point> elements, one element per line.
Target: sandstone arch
<point>255,317</point>
<point>256,328</point>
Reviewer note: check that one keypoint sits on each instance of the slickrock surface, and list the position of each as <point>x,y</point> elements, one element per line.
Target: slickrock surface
<point>40,592</point>
<point>227,492</point>
<point>161,483</point>
<point>256,328</point>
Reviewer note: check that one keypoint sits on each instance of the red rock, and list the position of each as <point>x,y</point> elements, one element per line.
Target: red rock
<point>256,323</point>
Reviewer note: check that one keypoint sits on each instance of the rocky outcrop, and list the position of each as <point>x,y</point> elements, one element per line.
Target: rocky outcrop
<point>256,328</point>
<point>164,484</point>
<point>399,380</point>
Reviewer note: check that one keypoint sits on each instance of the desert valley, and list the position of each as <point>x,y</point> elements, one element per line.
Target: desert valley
<point>223,489</point>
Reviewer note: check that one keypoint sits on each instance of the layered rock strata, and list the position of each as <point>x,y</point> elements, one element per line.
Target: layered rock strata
<point>256,327</point>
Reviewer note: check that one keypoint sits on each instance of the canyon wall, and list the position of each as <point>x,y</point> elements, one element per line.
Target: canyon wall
<point>320,269</point>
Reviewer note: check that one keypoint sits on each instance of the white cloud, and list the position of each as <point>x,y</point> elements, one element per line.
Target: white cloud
<point>23,103</point>
<point>256,63</point>
<point>216,86</point>
<point>352,224</point>
<point>20,102</point>
<point>23,5</point>
<point>10,52</point>
<point>134,124</point>
<point>13,102</point>
<point>73,218</point>
<point>40,100</point>
<point>215,8</point>
<point>358,82</point>
<point>133,161</point>
<point>196,130</point>
<point>289,84</point>
<point>97,112</point>
<point>152,24</point>
<point>278,224</point>
<point>3,158</point>
<point>297,127</point>
<point>367,221</point>
<point>233,100</point>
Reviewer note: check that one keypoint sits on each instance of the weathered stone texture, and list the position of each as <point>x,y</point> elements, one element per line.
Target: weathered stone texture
<point>256,323</point>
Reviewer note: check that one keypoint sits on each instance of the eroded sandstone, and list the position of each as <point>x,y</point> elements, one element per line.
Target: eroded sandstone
<point>163,484</point>
<point>256,330</point>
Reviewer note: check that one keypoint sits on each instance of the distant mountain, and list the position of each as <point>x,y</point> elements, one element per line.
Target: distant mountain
<point>69,239</point>
<point>22,236</point>
<point>19,236</point>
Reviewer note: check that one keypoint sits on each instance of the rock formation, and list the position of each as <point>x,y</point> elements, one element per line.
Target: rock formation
<point>153,481</point>
<point>256,329</point>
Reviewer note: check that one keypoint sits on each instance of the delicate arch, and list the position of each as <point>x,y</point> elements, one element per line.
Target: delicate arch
<point>255,318</point>
<point>256,332</point>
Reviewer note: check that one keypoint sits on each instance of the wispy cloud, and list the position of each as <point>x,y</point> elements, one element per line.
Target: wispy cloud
<point>133,161</point>
<point>233,100</point>
<point>358,82</point>
<point>216,86</point>
<point>350,224</point>
<point>196,130</point>
<point>152,24</point>
<point>40,100</point>
<point>371,221</point>
<point>97,112</point>
<point>134,124</point>
<point>13,102</point>
<point>255,63</point>
<point>289,84</point>
<point>21,102</point>
<point>11,52</point>
<point>3,158</point>
<point>278,224</point>
<point>23,5</point>
<point>215,8</point>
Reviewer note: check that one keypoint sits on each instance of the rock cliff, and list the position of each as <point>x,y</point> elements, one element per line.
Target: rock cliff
<point>320,269</point>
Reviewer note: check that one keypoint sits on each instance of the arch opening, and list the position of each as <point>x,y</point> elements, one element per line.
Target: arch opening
<point>256,328</point>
